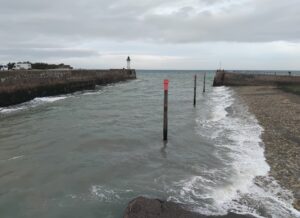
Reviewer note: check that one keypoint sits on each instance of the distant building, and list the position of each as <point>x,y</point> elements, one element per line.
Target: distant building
<point>22,66</point>
<point>128,63</point>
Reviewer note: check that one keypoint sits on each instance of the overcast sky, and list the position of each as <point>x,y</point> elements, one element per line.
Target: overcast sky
<point>157,34</point>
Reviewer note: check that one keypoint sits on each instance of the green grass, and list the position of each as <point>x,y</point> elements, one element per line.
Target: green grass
<point>290,88</point>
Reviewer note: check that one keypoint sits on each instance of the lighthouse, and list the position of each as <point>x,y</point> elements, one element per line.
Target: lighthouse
<point>128,63</point>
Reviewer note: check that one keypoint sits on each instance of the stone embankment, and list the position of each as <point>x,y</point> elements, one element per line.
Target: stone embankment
<point>24,85</point>
<point>224,78</point>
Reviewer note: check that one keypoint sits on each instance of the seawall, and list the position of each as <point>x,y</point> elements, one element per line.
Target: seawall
<point>224,78</point>
<point>24,85</point>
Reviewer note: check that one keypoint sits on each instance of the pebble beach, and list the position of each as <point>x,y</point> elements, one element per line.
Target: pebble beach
<point>278,112</point>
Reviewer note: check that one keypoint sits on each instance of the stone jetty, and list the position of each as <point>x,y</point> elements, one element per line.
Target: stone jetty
<point>226,78</point>
<point>24,85</point>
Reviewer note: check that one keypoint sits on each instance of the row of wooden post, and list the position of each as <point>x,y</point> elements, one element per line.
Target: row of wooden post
<point>166,88</point>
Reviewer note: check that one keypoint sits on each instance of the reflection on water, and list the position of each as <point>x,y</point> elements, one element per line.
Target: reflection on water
<point>164,149</point>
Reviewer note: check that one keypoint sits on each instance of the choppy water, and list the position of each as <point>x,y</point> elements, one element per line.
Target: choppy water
<point>87,154</point>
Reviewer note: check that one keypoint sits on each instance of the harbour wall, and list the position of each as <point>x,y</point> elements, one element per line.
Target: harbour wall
<point>24,85</point>
<point>225,78</point>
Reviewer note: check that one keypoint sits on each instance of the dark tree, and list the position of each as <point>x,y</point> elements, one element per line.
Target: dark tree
<point>10,65</point>
<point>45,66</point>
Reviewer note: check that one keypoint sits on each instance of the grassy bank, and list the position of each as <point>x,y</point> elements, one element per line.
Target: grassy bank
<point>290,88</point>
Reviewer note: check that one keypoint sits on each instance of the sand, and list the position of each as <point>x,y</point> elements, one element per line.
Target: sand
<point>279,114</point>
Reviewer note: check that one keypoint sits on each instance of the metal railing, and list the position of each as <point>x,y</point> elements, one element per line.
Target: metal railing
<point>267,73</point>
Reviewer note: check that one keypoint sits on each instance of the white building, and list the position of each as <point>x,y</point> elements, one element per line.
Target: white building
<point>3,67</point>
<point>22,66</point>
<point>128,63</point>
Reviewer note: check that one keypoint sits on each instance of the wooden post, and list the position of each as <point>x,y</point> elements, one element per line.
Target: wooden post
<point>204,82</point>
<point>166,87</point>
<point>195,90</point>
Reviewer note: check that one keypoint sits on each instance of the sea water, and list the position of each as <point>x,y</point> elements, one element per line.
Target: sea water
<point>89,153</point>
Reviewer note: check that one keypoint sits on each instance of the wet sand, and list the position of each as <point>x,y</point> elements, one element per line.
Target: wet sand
<point>279,114</point>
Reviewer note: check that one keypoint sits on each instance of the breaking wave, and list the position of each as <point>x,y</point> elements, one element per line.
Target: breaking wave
<point>242,185</point>
<point>31,104</point>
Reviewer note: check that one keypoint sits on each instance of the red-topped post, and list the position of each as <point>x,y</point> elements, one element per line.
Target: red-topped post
<point>166,88</point>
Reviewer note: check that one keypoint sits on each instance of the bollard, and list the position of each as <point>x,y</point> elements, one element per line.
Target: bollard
<point>204,82</point>
<point>166,87</point>
<point>195,90</point>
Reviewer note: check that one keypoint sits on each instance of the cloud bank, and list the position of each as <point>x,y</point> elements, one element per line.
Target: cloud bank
<point>91,33</point>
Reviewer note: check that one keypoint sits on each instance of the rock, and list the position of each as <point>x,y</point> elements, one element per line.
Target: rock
<point>154,208</point>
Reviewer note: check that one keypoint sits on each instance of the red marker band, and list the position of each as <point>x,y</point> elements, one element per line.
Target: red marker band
<point>166,85</point>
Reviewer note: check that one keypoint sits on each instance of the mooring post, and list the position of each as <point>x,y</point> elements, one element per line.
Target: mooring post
<point>166,87</point>
<point>204,82</point>
<point>195,90</point>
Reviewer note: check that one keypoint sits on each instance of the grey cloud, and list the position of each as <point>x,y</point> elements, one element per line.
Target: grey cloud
<point>37,53</point>
<point>133,20</point>
<point>35,29</point>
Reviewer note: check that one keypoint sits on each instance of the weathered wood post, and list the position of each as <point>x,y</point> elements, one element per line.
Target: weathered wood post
<point>204,82</point>
<point>165,131</point>
<point>195,90</point>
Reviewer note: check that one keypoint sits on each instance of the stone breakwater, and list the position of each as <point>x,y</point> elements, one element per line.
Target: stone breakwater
<point>224,78</point>
<point>21,86</point>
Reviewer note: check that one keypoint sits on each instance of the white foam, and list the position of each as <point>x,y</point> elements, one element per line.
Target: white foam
<point>49,99</point>
<point>221,99</point>
<point>244,160</point>
<point>247,158</point>
<point>31,104</point>
<point>105,194</point>
<point>12,158</point>
<point>16,157</point>
<point>219,110</point>
<point>10,110</point>
<point>90,93</point>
